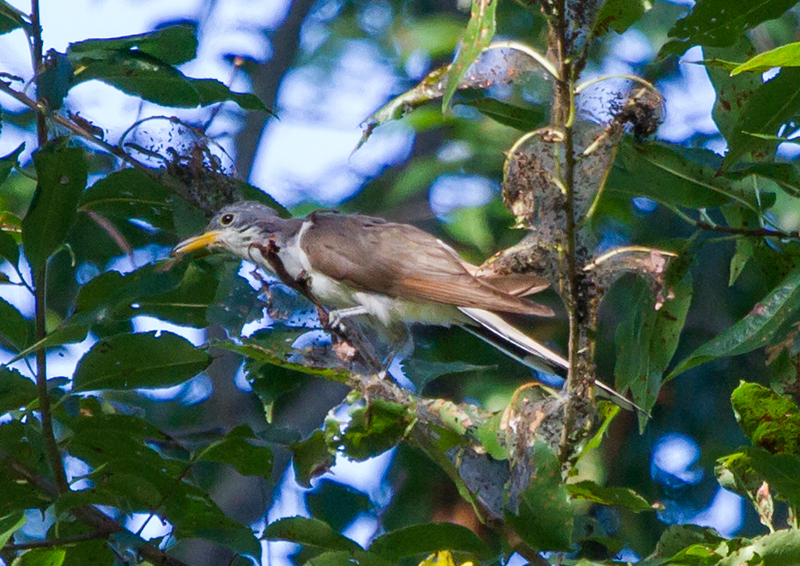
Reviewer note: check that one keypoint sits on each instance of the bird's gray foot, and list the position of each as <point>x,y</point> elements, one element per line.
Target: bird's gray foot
<point>335,317</point>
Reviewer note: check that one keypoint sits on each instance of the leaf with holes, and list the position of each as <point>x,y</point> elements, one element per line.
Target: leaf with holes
<point>136,361</point>
<point>62,173</point>
<point>768,109</point>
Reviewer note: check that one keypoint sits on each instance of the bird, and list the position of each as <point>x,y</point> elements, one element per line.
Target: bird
<point>393,273</point>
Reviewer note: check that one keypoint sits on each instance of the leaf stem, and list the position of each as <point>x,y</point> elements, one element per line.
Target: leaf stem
<point>713,227</point>
<point>63,541</point>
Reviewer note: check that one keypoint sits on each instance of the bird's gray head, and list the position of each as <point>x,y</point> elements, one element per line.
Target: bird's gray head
<point>236,228</point>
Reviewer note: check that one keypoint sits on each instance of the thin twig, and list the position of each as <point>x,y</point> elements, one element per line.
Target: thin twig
<point>51,449</point>
<point>116,151</point>
<point>748,232</point>
<point>89,515</point>
<point>565,118</point>
<point>49,543</point>
<point>758,233</point>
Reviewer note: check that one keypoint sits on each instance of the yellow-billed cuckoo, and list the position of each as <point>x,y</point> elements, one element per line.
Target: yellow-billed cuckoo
<point>395,273</point>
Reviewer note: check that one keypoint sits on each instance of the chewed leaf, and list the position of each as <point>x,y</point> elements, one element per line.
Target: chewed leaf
<point>768,419</point>
<point>648,337</point>
<point>773,104</point>
<point>755,330</point>
<point>783,56</point>
<point>499,64</point>
<point>720,23</point>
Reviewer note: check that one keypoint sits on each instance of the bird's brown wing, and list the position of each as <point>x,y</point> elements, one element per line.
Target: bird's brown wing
<point>401,261</point>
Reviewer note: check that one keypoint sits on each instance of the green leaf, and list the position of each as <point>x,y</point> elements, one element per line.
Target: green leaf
<point>647,338</point>
<point>273,347</point>
<point>739,217</point>
<point>270,383</point>
<point>9,524</point>
<point>174,45</point>
<point>754,330</point>
<point>15,331</point>
<point>72,330</point>
<point>142,75</point>
<point>344,558</point>
<point>606,411</point>
<point>422,372</point>
<point>185,305</point>
<point>11,160</point>
<point>137,361</point>
<point>311,458</point>
<point>478,35</point>
<point>62,173</point>
<point>9,249</point>
<point>781,548</point>
<point>429,88</point>
<point>676,538</point>
<point>247,191</point>
<point>372,430</point>
<point>90,552</point>
<point>11,18</point>
<point>195,515</point>
<point>721,22</point>
<point>237,449</point>
<point>337,504</point>
<point>544,518</point>
<point>309,532</point>
<point>778,470</point>
<point>771,106</point>
<point>619,15</point>
<point>149,74</point>
<point>16,390</point>
<point>212,91</point>
<point>427,538</point>
<point>618,496</point>
<point>42,557</point>
<point>488,434</point>
<point>179,293</point>
<point>783,56</point>
<point>131,193</point>
<point>112,292</point>
<point>734,472</point>
<point>235,303</point>
<point>732,92</point>
<point>525,119</point>
<point>673,176</point>
<point>768,419</point>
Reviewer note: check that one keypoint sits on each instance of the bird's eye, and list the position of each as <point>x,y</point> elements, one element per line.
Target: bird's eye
<point>226,219</point>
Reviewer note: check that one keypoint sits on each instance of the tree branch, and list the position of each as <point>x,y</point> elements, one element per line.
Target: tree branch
<point>758,233</point>
<point>116,151</point>
<point>267,78</point>
<point>39,287</point>
<point>87,514</point>
<point>49,543</point>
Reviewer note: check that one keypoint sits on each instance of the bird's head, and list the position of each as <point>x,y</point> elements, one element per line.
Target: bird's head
<point>235,228</point>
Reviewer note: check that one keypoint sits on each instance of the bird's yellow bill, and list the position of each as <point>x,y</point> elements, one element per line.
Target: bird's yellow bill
<point>195,243</point>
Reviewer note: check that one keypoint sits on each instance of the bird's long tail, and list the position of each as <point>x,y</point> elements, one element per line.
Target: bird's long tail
<point>518,345</point>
